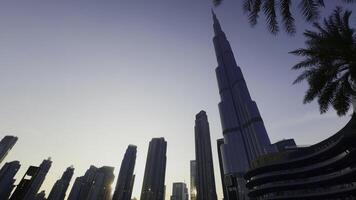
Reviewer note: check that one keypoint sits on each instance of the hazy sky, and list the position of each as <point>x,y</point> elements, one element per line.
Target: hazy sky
<point>81,80</point>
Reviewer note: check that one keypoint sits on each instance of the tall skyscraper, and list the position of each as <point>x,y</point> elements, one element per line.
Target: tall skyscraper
<point>179,191</point>
<point>204,159</point>
<point>30,184</point>
<point>59,189</point>
<point>6,145</point>
<point>220,142</point>
<point>126,178</point>
<point>82,185</point>
<point>245,136</point>
<point>101,187</point>
<point>193,180</point>
<point>153,187</point>
<point>7,174</point>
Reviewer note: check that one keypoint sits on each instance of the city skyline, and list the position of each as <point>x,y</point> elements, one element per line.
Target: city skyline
<point>46,93</point>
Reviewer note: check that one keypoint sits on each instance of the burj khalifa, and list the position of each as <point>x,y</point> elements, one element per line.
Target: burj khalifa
<point>245,136</point>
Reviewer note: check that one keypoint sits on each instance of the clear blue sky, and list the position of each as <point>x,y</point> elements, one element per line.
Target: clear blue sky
<point>80,80</point>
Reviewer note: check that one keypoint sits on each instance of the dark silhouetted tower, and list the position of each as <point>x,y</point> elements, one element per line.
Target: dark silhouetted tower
<point>179,191</point>
<point>193,180</point>
<point>59,189</point>
<point>101,188</point>
<point>6,145</point>
<point>245,136</point>
<point>205,170</point>
<point>30,184</point>
<point>7,174</point>
<point>153,187</point>
<point>126,177</point>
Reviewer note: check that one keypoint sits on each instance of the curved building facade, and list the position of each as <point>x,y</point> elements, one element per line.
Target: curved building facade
<point>326,170</point>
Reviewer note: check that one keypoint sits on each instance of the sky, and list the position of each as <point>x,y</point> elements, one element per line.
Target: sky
<point>81,80</point>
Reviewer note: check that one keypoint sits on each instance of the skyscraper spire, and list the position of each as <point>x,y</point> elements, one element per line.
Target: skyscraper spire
<point>245,136</point>
<point>217,26</point>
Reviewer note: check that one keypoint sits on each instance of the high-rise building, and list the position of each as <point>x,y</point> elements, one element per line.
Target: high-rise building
<point>204,160</point>
<point>179,191</point>
<point>7,174</point>
<point>31,182</point>
<point>59,189</point>
<point>82,185</point>
<point>126,178</point>
<point>222,175</point>
<point>153,187</point>
<point>101,187</point>
<point>94,185</point>
<point>245,136</point>
<point>193,179</point>
<point>6,145</point>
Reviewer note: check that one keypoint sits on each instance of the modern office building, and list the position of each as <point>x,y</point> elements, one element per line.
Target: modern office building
<point>6,145</point>
<point>324,171</point>
<point>219,143</point>
<point>7,181</point>
<point>126,178</point>
<point>101,187</point>
<point>94,185</point>
<point>83,184</point>
<point>59,189</point>
<point>245,136</point>
<point>193,179</point>
<point>204,159</point>
<point>179,191</point>
<point>31,182</point>
<point>153,187</point>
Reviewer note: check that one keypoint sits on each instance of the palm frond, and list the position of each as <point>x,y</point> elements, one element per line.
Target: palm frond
<point>309,9</point>
<point>269,8</point>
<point>287,18</point>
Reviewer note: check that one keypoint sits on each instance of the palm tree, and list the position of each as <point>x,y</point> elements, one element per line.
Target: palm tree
<point>329,64</point>
<point>309,9</point>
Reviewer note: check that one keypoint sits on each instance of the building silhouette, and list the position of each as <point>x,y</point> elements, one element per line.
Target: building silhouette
<point>31,182</point>
<point>94,185</point>
<point>82,185</point>
<point>126,178</point>
<point>193,179</point>
<point>101,187</point>
<point>59,189</point>
<point>204,160</point>
<point>245,136</point>
<point>153,187</point>
<point>326,170</point>
<point>6,145</point>
<point>219,143</point>
<point>7,174</point>
<point>179,191</point>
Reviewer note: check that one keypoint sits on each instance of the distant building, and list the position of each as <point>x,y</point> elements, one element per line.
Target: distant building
<point>193,179</point>
<point>126,178</point>
<point>59,189</point>
<point>220,142</point>
<point>245,136</point>
<point>7,174</point>
<point>94,185</point>
<point>101,187</point>
<point>32,181</point>
<point>326,170</point>
<point>179,191</point>
<point>6,145</point>
<point>285,145</point>
<point>153,187</point>
<point>204,160</point>
<point>82,185</point>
